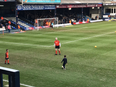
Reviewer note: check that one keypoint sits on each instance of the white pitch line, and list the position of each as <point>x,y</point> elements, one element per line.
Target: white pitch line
<point>50,32</point>
<point>20,44</point>
<point>20,83</point>
<point>5,80</point>
<point>87,38</point>
<point>7,85</point>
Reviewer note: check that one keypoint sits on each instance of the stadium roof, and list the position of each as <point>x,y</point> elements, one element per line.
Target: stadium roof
<point>73,2</point>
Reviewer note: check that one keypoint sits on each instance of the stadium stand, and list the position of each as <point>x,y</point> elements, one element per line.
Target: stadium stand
<point>24,25</point>
<point>27,18</point>
<point>64,16</point>
<point>4,24</point>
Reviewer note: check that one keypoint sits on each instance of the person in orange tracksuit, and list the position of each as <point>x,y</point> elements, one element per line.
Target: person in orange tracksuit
<point>2,18</point>
<point>7,57</point>
<point>18,27</point>
<point>57,45</point>
<point>9,22</point>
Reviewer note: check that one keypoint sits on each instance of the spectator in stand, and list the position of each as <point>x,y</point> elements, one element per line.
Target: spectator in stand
<point>88,20</point>
<point>69,21</point>
<point>18,27</point>
<point>2,18</point>
<point>1,25</point>
<point>9,22</point>
<point>6,26</point>
<point>9,28</point>
<point>52,25</point>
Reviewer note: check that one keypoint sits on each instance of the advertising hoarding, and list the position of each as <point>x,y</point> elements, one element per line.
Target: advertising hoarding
<point>7,0</point>
<point>41,1</point>
<point>35,7</point>
<point>78,6</point>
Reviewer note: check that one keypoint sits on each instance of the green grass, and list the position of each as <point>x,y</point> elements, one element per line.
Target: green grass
<point>32,53</point>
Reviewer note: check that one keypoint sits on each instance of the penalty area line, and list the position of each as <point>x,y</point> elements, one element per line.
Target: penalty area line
<point>20,83</point>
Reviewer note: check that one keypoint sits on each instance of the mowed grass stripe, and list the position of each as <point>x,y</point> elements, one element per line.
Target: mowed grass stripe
<point>34,45</point>
<point>23,44</point>
<point>68,33</point>
<point>39,38</point>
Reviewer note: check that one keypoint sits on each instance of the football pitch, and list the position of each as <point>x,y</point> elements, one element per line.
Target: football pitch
<point>33,54</point>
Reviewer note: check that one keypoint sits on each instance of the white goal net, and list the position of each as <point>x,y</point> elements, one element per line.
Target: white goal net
<point>46,22</point>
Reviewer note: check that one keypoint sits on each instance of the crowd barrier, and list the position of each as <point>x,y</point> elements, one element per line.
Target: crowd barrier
<point>2,29</point>
<point>61,25</point>
<point>96,20</point>
<point>75,23</point>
